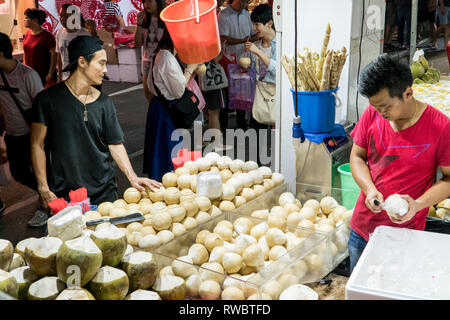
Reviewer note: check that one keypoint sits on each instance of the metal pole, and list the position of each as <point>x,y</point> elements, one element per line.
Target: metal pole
<point>414,10</point>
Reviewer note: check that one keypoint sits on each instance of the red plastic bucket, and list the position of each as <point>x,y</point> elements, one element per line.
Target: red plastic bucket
<point>195,42</point>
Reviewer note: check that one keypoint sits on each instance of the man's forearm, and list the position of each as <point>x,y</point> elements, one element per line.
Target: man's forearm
<point>361,174</point>
<point>138,37</point>
<point>39,162</point>
<point>120,157</point>
<point>438,192</point>
<point>52,63</point>
<point>231,41</point>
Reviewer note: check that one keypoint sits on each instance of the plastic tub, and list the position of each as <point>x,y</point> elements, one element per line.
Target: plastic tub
<point>317,110</point>
<point>195,42</point>
<point>348,198</point>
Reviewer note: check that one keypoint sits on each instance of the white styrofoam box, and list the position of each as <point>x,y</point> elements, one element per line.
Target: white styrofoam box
<point>402,264</point>
<point>113,72</point>
<point>129,55</point>
<point>130,73</point>
<point>66,224</point>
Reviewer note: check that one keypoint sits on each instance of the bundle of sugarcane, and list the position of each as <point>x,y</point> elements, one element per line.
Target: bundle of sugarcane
<point>316,72</point>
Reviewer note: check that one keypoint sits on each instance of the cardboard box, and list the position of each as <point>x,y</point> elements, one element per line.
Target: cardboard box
<point>113,72</point>
<point>105,36</point>
<point>130,73</point>
<point>111,54</point>
<point>129,56</point>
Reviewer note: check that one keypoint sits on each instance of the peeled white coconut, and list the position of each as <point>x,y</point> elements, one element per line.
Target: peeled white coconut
<point>214,211</point>
<point>313,203</point>
<point>204,203</point>
<point>47,288</point>
<point>6,254</point>
<point>209,290</point>
<point>264,296</point>
<point>243,225</point>
<point>184,181</point>
<point>203,164</point>
<point>172,195</point>
<point>181,170</point>
<point>143,295</point>
<point>292,207</point>
<point>306,228</point>
<point>21,245</point>
<point>248,193</point>
<point>258,189</point>
<point>141,269</point>
<point>299,292</point>
<point>226,206</point>
<point>120,203</point>
<point>176,212</point>
<point>113,243</point>
<point>128,250</point>
<point>8,284</point>
<point>191,166</point>
<point>133,207</point>
<point>104,208</point>
<point>276,221</point>
<point>250,166</point>
<point>158,207</point>
<point>232,293</point>
<point>167,270</point>
<point>132,195</point>
<point>245,62</point>
<point>134,237</point>
<point>395,204</point>
<point>277,178</point>
<point>236,165</point>
<point>225,233</point>
<point>217,254</point>
<point>161,221</point>
<point>327,204</point>
<point>109,284</point>
<point>308,213</point>
<point>202,217</point>
<point>275,236</point>
<point>228,192</point>
<point>193,285</point>
<point>189,223</point>
<point>276,252</point>
<point>40,255</point>
<point>146,230</point>
<point>170,287</point>
<point>212,271</point>
<point>261,214</point>
<point>194,183</point>
<point>118,212</point>
<point>178,229</point>
<point>169,179</point>
<point>239,201</point>
<point>213,240</point>
<point>341,240</point>
<point>231,262</point>
<point>287,279</point>
<point>191,207</point>
<point>339,213</point>
<point>236,183</point>
<point>212,157</point>
<point>74,293</point>
<point>242,242</point>
<point>186,194</point>
<point>198,253</point>
<point>225,175</point>
<point>325,228</point>
<point>300,269</point>
<point>286,198</point>
<point>268,184</point>
<point>165,236</point>
<point>78,260</point>
<point>183,266</point>
<point>150,242</point>
<point>314,262</point>
<point>201,236</point>
<point>253,256</point>
<point>223,162</point>
<point>273,289</point>
<point>24,277</point>
<point>247,180</point>
<point>294,218</point>
<point>157,195</point>
<point>265,171</point>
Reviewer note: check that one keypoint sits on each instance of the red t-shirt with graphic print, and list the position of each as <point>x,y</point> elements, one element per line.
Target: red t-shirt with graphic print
<point>403,162</point>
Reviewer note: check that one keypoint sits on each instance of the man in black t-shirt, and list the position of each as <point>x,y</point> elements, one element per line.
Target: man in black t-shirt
<point>82,131</point>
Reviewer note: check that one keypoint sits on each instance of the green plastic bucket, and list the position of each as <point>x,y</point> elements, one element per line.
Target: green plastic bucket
<point>349,198</point>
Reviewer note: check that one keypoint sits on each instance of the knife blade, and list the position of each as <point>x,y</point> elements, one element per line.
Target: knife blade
<point>117,220</point>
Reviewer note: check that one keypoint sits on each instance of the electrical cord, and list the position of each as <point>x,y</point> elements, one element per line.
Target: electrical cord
<point>360,55</point>
<point>14,15</point>
<point>295,59</point>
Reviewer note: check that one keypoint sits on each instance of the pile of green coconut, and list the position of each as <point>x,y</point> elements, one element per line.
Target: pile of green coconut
<point>98,265</point>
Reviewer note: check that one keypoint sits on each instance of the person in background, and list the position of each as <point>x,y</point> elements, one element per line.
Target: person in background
<point>27,85</point>
<point>443,12</point>
<point>39,46</point>
<point>235,27</point>
<point>82,130</point>
<point>65,34</point>
<point>404,16</point>
<point>398,144</point>
<point>427,13</point>
<point>263,57</point>
<point>113,9</point>
<point>91,27</point>
<point>390,21</point>
<point>149,31</point>
<point>171,81</point>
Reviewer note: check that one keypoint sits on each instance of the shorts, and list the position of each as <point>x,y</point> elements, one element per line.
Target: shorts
<point>215,99</point>
<point>391,13</point>
<point>444,19</point>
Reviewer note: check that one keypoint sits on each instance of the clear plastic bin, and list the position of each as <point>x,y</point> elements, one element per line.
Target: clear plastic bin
<point>291,268</point>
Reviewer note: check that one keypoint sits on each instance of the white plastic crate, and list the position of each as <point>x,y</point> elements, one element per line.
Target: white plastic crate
<point>402,264</point>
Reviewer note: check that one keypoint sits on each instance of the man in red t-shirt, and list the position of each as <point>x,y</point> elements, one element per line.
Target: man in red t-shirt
<point>398,144</point>
<point>39,46</point>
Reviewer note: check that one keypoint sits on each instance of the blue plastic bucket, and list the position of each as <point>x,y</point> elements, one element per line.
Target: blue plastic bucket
<point>317,110</point>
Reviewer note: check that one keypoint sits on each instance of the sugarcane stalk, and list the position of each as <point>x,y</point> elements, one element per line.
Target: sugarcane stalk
<point>342,61</point>
<point>289,72</point>
<point>323,53</point>
<point>325,82</point>
<point>335,63</point>
<point>308,78</point>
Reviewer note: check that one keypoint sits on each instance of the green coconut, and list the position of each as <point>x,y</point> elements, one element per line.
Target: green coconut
<point>40,255</point>
<point>417,70</point>
<point>6,254</point>
<point>21,245</point>
<point>8,284</point>
<point>75,293</point>
<point>17,262</point>
<point>435,73</point>
<point>170,287</point>
<point>109,284</point>
<point>143,295</point>
<point>24,277</point>
<point>77,261</point>
<point>112,242</point>
<point>47,288</point>
<point>424,62</point>
<point>418,81</point>
<point>141,269</point>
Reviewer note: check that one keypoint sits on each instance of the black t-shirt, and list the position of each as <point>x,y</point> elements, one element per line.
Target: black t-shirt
<point>447,3</point>
<point>79,151</point>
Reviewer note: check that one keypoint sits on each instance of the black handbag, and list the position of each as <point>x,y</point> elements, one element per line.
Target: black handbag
<point>27,114</point>
<point>182,111</point>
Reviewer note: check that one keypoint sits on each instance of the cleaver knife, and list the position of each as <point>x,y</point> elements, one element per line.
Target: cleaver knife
<point>118,220</point>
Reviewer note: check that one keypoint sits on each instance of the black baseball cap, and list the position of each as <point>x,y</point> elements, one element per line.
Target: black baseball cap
<point>82,46</point>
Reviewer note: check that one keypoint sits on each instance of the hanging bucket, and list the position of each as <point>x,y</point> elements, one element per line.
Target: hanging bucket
<point>317,110</point>
<point>193,29</point>
<point>348,183</point>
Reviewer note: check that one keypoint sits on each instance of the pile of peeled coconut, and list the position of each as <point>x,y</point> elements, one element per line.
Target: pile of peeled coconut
<point>179,206</point>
